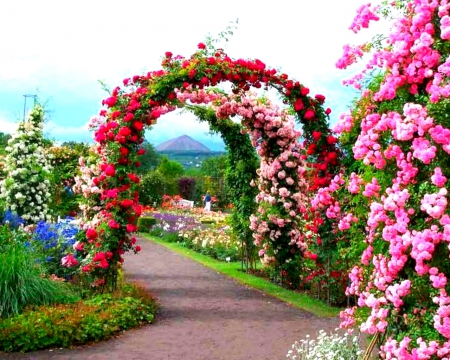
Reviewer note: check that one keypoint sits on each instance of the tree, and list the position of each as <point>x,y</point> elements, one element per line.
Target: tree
<point>3,142</point>
<point>214,166</point>
<point>169,168</point>
<point>151,159</point>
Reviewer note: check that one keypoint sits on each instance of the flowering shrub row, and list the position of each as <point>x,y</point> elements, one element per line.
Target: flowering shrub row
<point>399,134</point>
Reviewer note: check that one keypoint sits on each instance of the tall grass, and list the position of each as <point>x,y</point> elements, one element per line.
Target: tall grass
<point>22,283</point>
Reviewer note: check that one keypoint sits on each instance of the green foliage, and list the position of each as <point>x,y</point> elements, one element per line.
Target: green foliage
<point>241,165</point>
<point>4,142</point>
<point>94,319</point>
<point>170,169</point>
<point>65,163</point>
<point>21,277</point>
<point>152,187</point>
<point>150,160</point>
<point>145,223</point>
<point>214,166</point>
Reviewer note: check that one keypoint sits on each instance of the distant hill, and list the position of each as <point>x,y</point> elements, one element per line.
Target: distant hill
<point>183,143</point>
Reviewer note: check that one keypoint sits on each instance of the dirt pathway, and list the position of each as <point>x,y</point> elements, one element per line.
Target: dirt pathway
<point>203,316</point>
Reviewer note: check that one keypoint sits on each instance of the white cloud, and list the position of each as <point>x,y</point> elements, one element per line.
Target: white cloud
<point>7,126</point>
<point>63,48</point>
<point>58,132</point>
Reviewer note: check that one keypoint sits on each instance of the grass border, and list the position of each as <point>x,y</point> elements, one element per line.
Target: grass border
<point>233,270</point>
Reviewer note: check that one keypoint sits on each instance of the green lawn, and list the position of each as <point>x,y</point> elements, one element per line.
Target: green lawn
<point>233,270</point>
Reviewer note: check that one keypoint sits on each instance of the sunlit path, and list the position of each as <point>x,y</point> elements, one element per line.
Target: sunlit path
<point>203,315</point>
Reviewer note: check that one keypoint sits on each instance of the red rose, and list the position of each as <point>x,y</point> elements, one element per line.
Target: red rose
<point>204,81</point>
<point>168,54</point>
<point>112,125</point>
<point>138,248</point>
<point>304,91</point>
<point>115,114</point>
<point>328,111</point>
<point>316,135</point>
<point>99,256</point>
<point>309,114</point>
<point>110,102</point>
<point>156,113</point>
<point>138,125</point>
<point>128,117</point>
<point>110,170</point>
<point>331,140</point>
<point>201,46</point>
<point>141,151</point>
<point>133,178</point>
<point>320,98</point>
<point>131,228</point>
<point>104,264</point>
<point>91,233</point>
<point>100,137</point>
<point>126,81</point>
<point>298,105</point>
<point>127,203</point>
<point>332,157</point>
<point>123,151</point>
<point>124,131</point>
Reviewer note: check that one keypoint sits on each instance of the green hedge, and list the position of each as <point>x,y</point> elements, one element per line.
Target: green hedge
<point>86,321</point>
<point>145,223</point>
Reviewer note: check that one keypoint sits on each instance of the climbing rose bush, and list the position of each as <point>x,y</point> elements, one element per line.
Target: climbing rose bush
<point>120,129</point>
<point>278,225</point>
<point>402,143</point>
<point>26,186</point>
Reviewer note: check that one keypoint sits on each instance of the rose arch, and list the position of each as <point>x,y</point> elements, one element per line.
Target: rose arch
<point>144,98</point>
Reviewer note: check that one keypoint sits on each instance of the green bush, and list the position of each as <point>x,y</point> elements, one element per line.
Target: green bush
<point>22,283</point>
<point>86,321</point>
<point>152,187</point>
<point>145,223</point>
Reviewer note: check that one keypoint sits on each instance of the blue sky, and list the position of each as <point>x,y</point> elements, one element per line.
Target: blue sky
<point>60,50</point>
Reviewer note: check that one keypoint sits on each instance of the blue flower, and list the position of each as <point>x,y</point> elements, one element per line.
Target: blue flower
<point>12,219</point>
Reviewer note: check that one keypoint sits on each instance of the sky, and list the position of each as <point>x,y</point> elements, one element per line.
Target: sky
<point>60,50</point>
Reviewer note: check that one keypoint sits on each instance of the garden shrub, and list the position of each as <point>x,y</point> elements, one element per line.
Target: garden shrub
<point>85,321</point>
<point>326,347</point>
<point>152,187</point>
<point>187,186</point>
<point>145,223</point>
<point>21,281</point>
<point>26,186</point>
<point>51,242</point>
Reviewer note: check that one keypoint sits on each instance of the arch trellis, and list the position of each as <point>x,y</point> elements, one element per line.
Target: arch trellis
<point>108,235</point>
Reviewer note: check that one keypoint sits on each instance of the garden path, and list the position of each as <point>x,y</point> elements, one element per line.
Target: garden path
<point>203,315</point>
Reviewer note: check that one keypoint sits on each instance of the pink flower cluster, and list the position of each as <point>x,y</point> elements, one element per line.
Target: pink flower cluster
<point>407,219</point>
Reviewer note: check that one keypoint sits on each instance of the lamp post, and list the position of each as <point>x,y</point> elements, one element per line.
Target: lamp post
<point>25,103</point>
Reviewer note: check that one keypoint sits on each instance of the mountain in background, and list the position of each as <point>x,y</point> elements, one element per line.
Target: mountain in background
<point>187,151</point>
<point>182,144</point>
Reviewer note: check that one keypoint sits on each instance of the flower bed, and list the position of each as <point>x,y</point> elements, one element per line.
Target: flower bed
<point>204,233</point>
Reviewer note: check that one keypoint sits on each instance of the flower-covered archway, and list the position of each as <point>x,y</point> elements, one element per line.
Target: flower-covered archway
<point>144,98</point>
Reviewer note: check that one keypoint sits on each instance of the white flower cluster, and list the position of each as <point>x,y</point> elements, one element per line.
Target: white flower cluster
<point>26,186</point>
<point>326,347</point>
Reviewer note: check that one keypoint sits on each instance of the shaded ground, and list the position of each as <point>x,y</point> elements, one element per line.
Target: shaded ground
<point>203,316</point>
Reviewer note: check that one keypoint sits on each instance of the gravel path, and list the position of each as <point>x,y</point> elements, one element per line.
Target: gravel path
<point>203,316</point>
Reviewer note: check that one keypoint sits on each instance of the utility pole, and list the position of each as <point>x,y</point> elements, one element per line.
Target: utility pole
<point>25,103</point>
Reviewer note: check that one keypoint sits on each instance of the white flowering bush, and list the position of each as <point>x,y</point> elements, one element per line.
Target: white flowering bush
<point>25,189</point>
<point>326,347</point>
